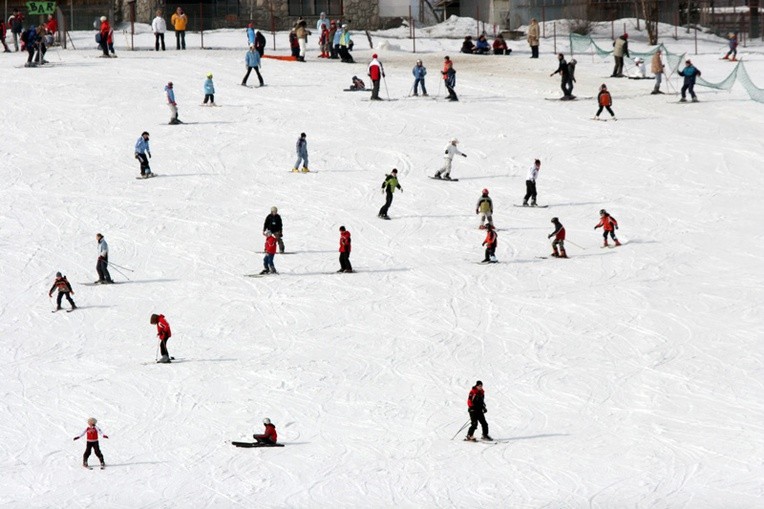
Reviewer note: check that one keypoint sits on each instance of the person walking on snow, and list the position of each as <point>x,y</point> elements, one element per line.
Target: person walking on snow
<point>533,38</point>
<point>449,78</point>
<point>530,183</point>
<point>64,290</point>
<point>620,49</point>
<point>376,72</point>
<point>690,72</point>
<point>605,101</point>
<point>274,225</point>
<point>159,27</point>
<point>209,90</point>
<point>656,67</point>
<point>170,93</point>
<point>451,150</point>
<point>490,242</point>
<point>389,186</point>
<point>164,334</point>
<point>419,71</point>
<point>270,436</point>
<point>91,434</point>
<point>733,47</point>
<point>270,252</point>
<point>559,239</point>
<point>345,248</point>
<point>477,410</point>
<point>301,147</point>
<point>252,60</point>
<point>102,266</point>
<point>179,21</point>
<point>484,207</point>
<point>143,153</point>
<point>609,226</point>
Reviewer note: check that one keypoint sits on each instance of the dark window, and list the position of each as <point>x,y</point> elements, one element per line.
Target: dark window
<point>314,7</point>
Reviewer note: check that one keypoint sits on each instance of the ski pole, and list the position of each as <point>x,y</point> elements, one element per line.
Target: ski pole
<point>51,301</point>
<point>460,429</point>
<point>411,90</point>
<point>123,274</point>
<point>156,356</point>
<point>440,82</point>
<point>121,267</point>
<point>579,247</point>
<point>386,90</point>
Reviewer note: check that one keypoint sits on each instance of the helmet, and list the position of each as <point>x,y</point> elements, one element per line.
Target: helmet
<point>209,75</point>
<point>603,212</point>
<point>555,220</point>
<point>418,61</point>
<point>58,274</point>
<point>266,421</point>
<point>454,141</point>
<point>274,210</point>
<point>485,191</point>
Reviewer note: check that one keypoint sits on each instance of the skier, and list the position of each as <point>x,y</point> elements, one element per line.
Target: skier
<point>270,252</point>
<point>209,90</point>
<point>334,40</point>
<point>260,43</point>
<point>104,36</point>
<point>389,186</point>
<point>609,225</point>
<point>449,78</point>
<point>164,334</point>
<point>102,266</point>
<point>733,48</point>
<point>64,290</point>
<point>450,152</point>
<point>91,434</point>
<point>179,21</point>
<point>484,207</point>
<point>273,224</point>
<point>656,67</point>
<point>252,60</point>
<point>690,72</point>
<point>345,247</point>
<point>490,242</point>
<point>301,147</point>
<point>376,72</point>
<point>170,93</point>
<point>476,408</point>
<point>250,33</point>
<point>143,153</point>
<point>110,42</point>
<point>530,183</point>
<point>323,40</point>
<point>566,83</point>
<point>559,239</point>
<point>270,436</point>
<point>533,38</point>
<point>605,101</point>
<point>640,71</point>
<point>620,49</point>
<point>419,71</point>
<point>159,27</point>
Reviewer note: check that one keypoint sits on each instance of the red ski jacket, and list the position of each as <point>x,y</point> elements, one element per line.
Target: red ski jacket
<point>345,242</point>
<point>270,245</point>
<point>608,222</point>
<point>270,432</point>
<point>91,433</point>
<point>476,399</point>
<point>163,328</point>
<point>604,98</point>
<point>559,234</point>
<point>490,239</point>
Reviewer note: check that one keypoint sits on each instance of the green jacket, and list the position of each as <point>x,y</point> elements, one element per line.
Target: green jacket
<point>391,183</point>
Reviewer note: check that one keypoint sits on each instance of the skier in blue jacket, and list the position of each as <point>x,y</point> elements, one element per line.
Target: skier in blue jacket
<point>690,72</point>
<point>253,62</point>
<point>419,71</point>
<point>301,147</point>
<point>143,153</point>
<point>209,90</point>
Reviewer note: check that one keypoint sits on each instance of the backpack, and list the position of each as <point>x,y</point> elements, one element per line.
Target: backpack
<point>25,36</point>
<point>98,38</point>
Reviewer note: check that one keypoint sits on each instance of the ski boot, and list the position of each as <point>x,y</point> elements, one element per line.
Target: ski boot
<point>436,176</point>
<point>533,203</point>
<point>446,177</point>
<point>725,57</point>
<point>563,254</point>
<point>617,243</point>
<point>554,252</point>
<point>694,99</point>
<point>470,438</point>
<point>85,464</point>
<point>605,244</point>
<point>305,168</point>
<point>295,170</point>
<point>525,203</point>
<point>164,360</point>
<point>487,438</point>
<point>74,306</point>
<point>264,272</point>
<point>682,100</point>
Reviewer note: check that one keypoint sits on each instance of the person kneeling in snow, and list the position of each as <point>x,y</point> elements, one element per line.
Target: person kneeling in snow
<point>270,436</point>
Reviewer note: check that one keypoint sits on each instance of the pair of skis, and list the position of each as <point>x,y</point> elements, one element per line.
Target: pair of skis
<point>251,445</point>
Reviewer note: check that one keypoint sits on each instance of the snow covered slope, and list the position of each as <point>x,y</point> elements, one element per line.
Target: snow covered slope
<point>627,377</point>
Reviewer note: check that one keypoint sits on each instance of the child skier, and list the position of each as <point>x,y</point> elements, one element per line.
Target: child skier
<point>301,147</point>
<point>64,290</point>
<point>209,90</point>
<point>450,152</point>
<point>484,207</point>
<point>491,239</point>
<point>449,78</point>
<point>92,432</point>
<point>345,247</point>
<point>270,436</point>
<point>170,93</point>
<point>419,71</point>
<point>605,100</point>
<point>559,239</point>
<point>143,153</point>
<point>164,334</point>
<point>274,224</point>
<point>358,84</point>
<point>733,48</point>
<point>640,71</point>
<point>270,252</point>
<point>690,72</point>
<point>389,186</point>
<point>609,225</point>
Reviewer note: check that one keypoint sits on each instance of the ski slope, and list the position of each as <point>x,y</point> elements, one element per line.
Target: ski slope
<point>628,377</point>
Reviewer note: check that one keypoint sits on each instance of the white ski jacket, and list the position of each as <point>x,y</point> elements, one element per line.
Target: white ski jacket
<point>451,151</point>
<point>533,173</point>
<point>159,25</point>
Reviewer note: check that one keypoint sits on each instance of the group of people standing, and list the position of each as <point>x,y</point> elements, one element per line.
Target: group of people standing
<point>179,22</point>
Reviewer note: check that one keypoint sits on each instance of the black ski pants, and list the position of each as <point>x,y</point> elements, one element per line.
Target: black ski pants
<point>345,262</point>
<point>530,191</point>
<point>534,51</point>
<point>144,160</point>
<point>157,39</point>
<point>163,347</point>
<point>246,76</point>
<point>92,446</point>
<point>567,86</point>
<point>599,110</point>
<point>451,93</point>
<point>263,439</point>
<point>618,69</point>
<point>388,202</point>
<point>180,39</point>
<point>103,270</point>
<point>210,98</point>
<point>490,251</point>
<point>375,89</point>
<point>688,87</point>
<point>61,296</point>
<point>476,417</point>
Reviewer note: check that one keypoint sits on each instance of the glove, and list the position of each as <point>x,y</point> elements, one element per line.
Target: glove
<point>616,227</point>
<point>106,436</point>
<point>401,189</point>
<point>136,155</point>
<point>595,227</point>
<point>551,74</point>
<point>477,211</point>
<point>76,438</point>
<point>51,295</point>
<point>549,236</point>
<point>464,155</point>
<point>149,153</point>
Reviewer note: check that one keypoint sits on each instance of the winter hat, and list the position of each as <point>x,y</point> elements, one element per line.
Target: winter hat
<point>479,382</point>
<point>209,75</point>
<point>145,133</point>
<point>266,421</point>
<point>454,141</point>
<point>169,84</point>
<point>485,191</point>
<point>555,220</point>
<point>92,421</point>
<point>625,36</point>
<point>342,228</point>
<point>103,18</point>
<point>274,209</point>
<point>154,319</point>
<point>303,135</point>
<point>395,171</point>
<point>374,55</point>
<point>603,87</point>
<point>58,274</point>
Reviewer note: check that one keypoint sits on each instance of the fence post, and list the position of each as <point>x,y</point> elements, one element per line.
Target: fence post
<point>696,41</point>
<point>132,25</point>
<point>477,17</point>
<point>612,29</point>
<point>554,27</point>
<point>676,26</point>
<point>543,21</point>
<point>413,29</point>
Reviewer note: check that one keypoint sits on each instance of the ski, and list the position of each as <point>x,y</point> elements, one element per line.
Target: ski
<point>157,362</point>
<point>55,311</point>
<point>97,284</point>
<point>151,175</point>
<point>88,467</point>
<point>356,90</point>
<point>70,310</point>
<point>532,206</point>
<point>385,218</point>
<point>444,180</point>
<point>254,444</point>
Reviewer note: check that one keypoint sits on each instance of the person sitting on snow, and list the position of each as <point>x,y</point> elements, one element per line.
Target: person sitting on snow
<point>269,436</point>
<point>358,84</point>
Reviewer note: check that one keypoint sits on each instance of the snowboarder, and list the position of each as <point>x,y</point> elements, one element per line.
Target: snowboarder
<point>164,334</point>
<point>605,101</point>
<point>64,290</point>
<point>179,21</point>
<point>270,252</point>
<point>273,224</point>
<point>533,38</point>
<point>301,147</point>
<point>358,84</point>
<point>490,242</point>
<point>252,60</point>
<point>209,90</point>
<point>609,225</point>
<point>170,93</point>
<point>102,266</point>
<point>690,72</point>
<point>566,82</point>
<point>559,239</point>
<point>450,152</point>
<point>91,434</point>
<point>376,72</point>
<point>530,183</point>
<point>656,67</point>
<point>270,436</point>
<point>476,408</point>
<point>484,207</point>
<point>345,247</point>
<point>159,27</point>
<point>389,186</point>
<point>733,48</point>
<point>419,71</point>
<point>449,78</point>
<point>620,49</point>
<point>143,153</point>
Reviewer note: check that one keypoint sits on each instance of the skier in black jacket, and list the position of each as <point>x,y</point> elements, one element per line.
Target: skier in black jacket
<point>566,83</point>
<point>477,409</point>
<point>64,290</point>
<point>273,224</point>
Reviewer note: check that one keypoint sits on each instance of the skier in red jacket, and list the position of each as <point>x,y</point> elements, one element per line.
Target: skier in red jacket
<point>559,239</point>
<point>345,246</point>
<point>92,432</point>
<point>610,225</point>
<point>491,239</point>
<point>164,333</point>
<point>269,436</point>
<point>270,252</point>
<point>476,408</point>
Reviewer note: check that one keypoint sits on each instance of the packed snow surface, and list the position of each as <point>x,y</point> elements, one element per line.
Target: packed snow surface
<point>627,377</point>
